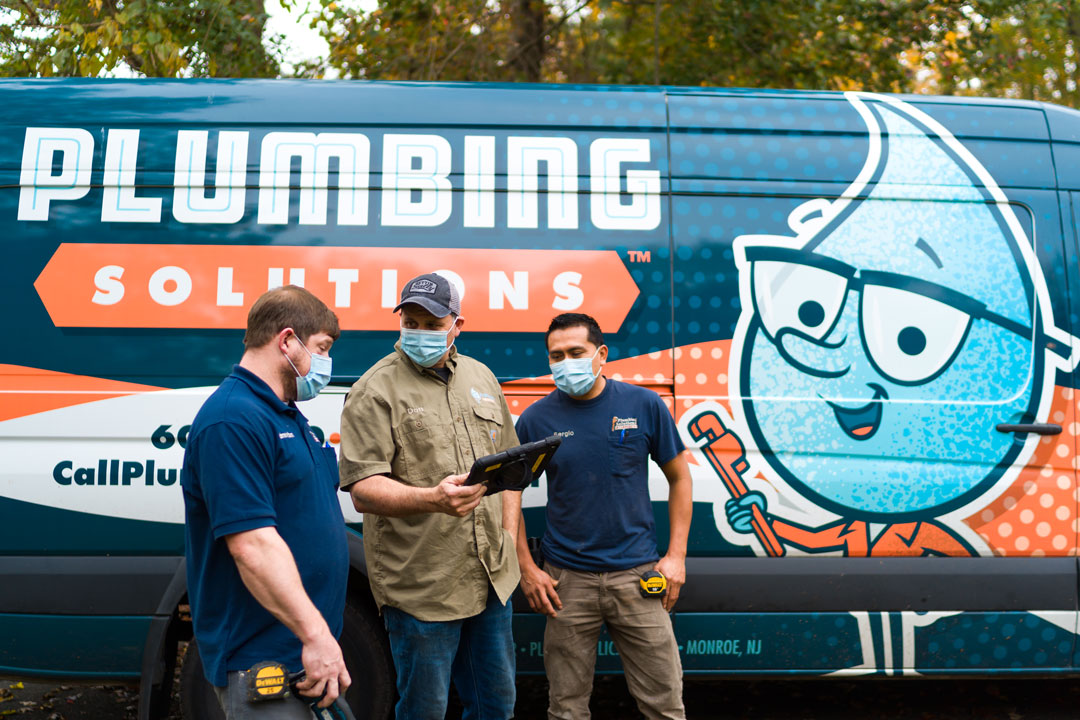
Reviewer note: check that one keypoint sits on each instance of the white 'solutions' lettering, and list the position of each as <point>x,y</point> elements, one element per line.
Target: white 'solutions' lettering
<point>417,186</point>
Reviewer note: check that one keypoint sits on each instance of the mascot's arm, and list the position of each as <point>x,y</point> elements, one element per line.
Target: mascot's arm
<point>920,539</point>
<point>850,537</point>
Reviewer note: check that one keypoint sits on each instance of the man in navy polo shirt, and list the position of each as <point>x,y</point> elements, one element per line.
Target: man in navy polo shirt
<point>600,536</point>
<point>267,560</point>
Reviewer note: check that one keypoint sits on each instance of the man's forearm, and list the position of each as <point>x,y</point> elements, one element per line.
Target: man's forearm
<point>269,572</point>
<point>382,495</point>
<point>680,504</point>
<point>511,513</point>
<point>521,542</point>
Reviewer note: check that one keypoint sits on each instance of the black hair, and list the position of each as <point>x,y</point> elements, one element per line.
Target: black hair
<point>569,320</point>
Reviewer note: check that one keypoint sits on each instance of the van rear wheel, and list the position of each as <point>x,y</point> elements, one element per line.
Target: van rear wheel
<point>197,698</point>
<point>371,666</point>
<point>367,656</point>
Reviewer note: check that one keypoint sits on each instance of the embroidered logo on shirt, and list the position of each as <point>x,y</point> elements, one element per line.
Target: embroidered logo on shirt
<point>414,410</point>
<point>564,433</point>
<point>282,436</point>
<point>424,286</point>
<point>481,396</point>
<point>618,423</point>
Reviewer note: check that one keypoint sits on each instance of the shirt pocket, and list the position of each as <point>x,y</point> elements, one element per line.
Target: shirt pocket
<point>426,452</point>
<point>294,462</point>
<point>628,454</point>
<point>488,421</point>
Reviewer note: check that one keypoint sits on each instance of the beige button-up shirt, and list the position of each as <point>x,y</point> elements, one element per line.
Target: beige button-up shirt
<point>404,421</point>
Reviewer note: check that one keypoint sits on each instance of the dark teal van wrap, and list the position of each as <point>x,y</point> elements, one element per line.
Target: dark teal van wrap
<point>858,307</point>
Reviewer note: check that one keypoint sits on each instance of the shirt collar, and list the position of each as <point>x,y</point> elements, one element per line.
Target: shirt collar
<point>262,390</point>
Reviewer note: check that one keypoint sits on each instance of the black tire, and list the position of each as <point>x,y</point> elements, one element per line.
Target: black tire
<point>197,698</point>
<point>367,656</point>
<point>371,666</point>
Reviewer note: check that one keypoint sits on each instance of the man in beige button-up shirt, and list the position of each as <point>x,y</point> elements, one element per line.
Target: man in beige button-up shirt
<point>440,554</point>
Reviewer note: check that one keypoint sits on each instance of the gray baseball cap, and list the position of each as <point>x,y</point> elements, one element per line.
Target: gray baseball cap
<point>432,292</point>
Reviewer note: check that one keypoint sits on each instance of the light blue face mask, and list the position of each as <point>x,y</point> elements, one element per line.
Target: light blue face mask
<point>575,376</point>
<point>424,347</point>
<point>318,376</point>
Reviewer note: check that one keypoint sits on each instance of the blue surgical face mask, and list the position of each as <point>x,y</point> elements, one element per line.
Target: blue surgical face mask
<point>575,376</point>
<point>424,347</point>
<point>318,375</point>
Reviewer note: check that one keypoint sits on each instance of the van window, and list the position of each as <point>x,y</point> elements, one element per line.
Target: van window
<point>851,246</point>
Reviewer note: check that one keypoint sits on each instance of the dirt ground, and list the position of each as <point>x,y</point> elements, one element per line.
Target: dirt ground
<point>705,698</point>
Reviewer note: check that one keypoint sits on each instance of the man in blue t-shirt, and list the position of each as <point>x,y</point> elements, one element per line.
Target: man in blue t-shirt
<point>600,536</point>
<point>267,560</point>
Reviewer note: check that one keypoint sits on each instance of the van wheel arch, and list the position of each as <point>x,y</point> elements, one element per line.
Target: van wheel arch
<point>167,629</point>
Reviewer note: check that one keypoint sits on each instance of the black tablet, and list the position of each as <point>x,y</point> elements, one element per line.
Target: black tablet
<point>513,469</point>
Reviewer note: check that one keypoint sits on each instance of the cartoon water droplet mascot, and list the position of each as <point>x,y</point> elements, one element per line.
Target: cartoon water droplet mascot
<point>882,344</point>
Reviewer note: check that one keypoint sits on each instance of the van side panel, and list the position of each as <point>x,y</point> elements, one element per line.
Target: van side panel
<point>140,219</point>
<point>805,231</point>
<point>72,645</point>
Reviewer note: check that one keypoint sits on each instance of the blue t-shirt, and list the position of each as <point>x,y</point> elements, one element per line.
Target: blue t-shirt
<point>252,462</point>
<point>599,515</point>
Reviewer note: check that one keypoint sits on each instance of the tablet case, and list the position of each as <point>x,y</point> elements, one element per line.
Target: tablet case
<point>513,469</point>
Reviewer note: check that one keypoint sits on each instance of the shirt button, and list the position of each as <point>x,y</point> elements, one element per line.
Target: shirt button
<point>419,424</point>
<point>459,419</point>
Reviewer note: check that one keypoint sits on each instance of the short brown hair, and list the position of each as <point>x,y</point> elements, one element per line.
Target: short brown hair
<point>284,307</point>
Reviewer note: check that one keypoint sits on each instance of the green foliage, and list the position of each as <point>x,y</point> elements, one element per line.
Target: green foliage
<point>1010,48</point>
<point>1014,48</point>
<point>835,44</point>
<point>423,40</point>
<point>828,44</point>
<point>155,38</point>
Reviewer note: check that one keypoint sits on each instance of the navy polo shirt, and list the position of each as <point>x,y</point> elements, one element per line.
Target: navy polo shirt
<point>599,514</point>
<point>251,462</point>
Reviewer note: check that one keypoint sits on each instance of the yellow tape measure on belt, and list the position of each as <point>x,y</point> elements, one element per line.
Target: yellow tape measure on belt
<point>268,681</point>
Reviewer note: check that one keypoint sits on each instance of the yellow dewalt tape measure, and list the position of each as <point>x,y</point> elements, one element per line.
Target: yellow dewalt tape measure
<point>653,584</point>
<point>268,681</point>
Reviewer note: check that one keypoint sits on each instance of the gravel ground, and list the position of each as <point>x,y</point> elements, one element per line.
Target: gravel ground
<point>705,698</point>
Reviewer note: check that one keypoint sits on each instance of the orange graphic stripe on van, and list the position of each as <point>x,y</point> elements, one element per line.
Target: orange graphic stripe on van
<point>1037,514</point>
<point>27,391</point>
<point>212,286</point>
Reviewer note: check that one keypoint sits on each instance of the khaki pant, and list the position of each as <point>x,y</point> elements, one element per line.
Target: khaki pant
<point>642,633</point>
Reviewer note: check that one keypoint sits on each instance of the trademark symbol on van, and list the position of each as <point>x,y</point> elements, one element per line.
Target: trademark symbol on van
<point>640,256</point>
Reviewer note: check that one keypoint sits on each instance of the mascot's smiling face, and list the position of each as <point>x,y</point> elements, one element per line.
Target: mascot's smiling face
<point>892,333</point>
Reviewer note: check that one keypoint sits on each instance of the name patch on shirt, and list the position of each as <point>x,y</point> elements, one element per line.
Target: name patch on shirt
<point>282,436</point>
<point>618,423</point>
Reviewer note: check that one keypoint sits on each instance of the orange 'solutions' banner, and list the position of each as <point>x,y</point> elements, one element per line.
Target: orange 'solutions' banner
<point>212,286</point>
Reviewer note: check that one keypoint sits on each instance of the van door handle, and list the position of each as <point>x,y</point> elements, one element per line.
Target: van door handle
<point>1037,428</point>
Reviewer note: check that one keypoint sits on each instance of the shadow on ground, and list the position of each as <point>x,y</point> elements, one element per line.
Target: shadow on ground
<point>890,699</point>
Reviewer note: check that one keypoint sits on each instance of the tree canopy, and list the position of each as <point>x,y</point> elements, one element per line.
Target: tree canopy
<point>1012,48</point>
<point>155,38</point>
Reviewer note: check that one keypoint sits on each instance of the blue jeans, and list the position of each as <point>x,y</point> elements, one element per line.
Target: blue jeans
<point>477,653</point>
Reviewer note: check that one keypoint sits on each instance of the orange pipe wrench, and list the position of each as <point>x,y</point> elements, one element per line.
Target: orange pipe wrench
<point>709,427</point>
